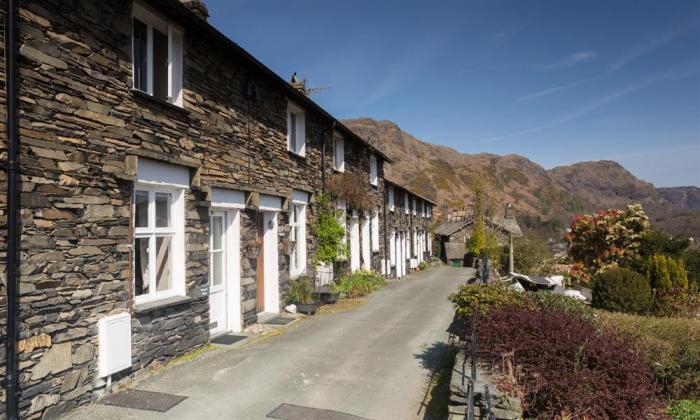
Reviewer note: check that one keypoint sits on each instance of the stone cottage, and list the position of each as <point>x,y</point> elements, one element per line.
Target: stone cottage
<point>454,233</point>
<point>168,179</point>
<point>408,218</point>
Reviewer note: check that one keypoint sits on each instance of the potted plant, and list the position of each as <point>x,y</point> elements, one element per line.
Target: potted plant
<point>301,293</point>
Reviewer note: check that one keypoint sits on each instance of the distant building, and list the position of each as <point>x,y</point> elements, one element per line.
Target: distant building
<point>456,231</point>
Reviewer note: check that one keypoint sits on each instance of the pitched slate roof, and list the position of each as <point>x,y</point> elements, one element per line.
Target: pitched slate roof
<point>396,184</point>
<point>507,225</point>
<point>453,226</point>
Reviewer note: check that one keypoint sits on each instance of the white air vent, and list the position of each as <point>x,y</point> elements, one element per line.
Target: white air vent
<point>114,334</point>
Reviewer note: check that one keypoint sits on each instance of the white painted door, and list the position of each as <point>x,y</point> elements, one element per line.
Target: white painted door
<point>405,250</point>
<point>217,273</point>
<point>397,247</point>
<point>365,242</point>
<point>224,272</point>
<point>354,244</point>
<point>271,261</point>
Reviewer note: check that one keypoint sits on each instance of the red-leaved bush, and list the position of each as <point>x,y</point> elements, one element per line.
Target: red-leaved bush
<point>561,363</point>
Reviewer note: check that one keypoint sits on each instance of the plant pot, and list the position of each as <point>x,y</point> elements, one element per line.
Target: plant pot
<point>330,297</point>
<point>308,308</point>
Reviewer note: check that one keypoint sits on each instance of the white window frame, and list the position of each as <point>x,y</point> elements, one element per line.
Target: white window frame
<point>375,230</point>
<point>391,198</point>
<point>300,115</point>
<point>339,153</point>
<point>175,35</point>
<point>297,224</point>
<point>406,203</point>
<point>392,247</point>
<point>414,205</point>
<point>177,246</point>
<point>342,215</point>
<point>373,172</point>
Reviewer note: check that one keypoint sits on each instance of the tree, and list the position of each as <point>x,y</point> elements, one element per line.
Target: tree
<point>528,255</point>
<point>483,240</point>
<point>608,238</point>
<point>329,232</point>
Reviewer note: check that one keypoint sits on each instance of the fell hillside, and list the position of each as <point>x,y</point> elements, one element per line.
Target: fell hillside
<point>545,200</point>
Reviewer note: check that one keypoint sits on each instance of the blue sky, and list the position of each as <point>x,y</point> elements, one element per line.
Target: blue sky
<point>557,81</point>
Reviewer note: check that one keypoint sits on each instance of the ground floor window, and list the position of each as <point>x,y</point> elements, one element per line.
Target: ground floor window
<point>297,225</point>
<point>158,242</point>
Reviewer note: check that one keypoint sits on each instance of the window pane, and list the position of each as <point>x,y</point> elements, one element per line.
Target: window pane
<point>140,55</point>
<point>217,277</point>
<point>163,281</point>
<point>160,65</point>
<point>293,131</point>
<point>216,231</point>
<point>141,204</point>
<point>141,266</point>
<point>163,209</point>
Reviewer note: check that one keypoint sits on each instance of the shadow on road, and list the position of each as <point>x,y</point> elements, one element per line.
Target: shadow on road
<point>438,360</point>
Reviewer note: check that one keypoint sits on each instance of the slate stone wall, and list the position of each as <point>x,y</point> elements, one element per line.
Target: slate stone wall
<point>82,132</point>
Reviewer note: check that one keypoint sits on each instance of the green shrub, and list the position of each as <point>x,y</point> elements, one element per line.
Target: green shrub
<point>529,255</point>
<point>360,283</point>
<point>621,289</point>
<point>330,234</point>
<point>684,410</point>
<point>423,265</point>
<point>665,272</point>
<point>485,297</point>
<point>301,290</point>
<point>672,346</point>
<point>545,300</point>
<point>691,260</point>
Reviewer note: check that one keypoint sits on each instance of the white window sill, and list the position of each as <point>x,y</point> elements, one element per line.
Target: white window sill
<point>300,155</point>
<point>161,303</point>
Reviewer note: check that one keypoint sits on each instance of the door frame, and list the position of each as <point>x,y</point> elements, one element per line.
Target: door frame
<point>271,293</point>
<point>232,269</point>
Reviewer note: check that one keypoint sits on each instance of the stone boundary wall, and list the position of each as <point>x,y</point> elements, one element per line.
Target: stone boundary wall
<point>504,407</point>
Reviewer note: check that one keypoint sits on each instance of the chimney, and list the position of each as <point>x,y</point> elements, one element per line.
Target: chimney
<point>198,7</point>
<point>509,211</point>
<point>297,84</point>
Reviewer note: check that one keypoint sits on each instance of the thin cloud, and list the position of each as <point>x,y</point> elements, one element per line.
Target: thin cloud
<point>674,73</point>
<point>571,60</point>
<point>622,61</point>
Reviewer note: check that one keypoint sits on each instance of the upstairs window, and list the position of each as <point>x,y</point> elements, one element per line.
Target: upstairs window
<point>338,154</point>
<point>296,130</point>
<point>157,56</point>
<point>406,204</point>
<point>390,193</point>
<point>373,177</point>
<point>415,205</point>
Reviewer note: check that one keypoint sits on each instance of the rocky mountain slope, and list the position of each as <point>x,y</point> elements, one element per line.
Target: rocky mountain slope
<point>544,199</point>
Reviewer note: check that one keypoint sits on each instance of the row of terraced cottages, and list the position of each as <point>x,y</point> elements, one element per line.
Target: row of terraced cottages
<point>168,183</point>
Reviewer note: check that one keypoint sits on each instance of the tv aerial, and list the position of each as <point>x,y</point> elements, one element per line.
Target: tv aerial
<point>299,83</point>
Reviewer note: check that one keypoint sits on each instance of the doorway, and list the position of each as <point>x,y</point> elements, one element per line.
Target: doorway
<point>267,276</point>
<point>224,272</point>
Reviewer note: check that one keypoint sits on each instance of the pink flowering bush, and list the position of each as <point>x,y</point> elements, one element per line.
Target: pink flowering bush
<point>608,238</point>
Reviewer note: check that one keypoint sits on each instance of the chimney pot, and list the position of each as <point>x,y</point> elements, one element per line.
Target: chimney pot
<point>198,7</point>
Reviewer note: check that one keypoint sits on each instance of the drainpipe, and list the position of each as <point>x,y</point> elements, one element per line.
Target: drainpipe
<point>12,207</point>
<point>323,154</point>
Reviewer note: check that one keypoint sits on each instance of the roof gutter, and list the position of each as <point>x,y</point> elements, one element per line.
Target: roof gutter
<point>13,204</point>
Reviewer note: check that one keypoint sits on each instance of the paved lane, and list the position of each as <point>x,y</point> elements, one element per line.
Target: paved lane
<point>366,362</point>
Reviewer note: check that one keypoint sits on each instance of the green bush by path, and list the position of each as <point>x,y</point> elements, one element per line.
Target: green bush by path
<point>360,283</point>
<point>684,410</point>
<point>666,273</point>
<point>301,290</point>
<point>673,348</point>
<point>622,290</point>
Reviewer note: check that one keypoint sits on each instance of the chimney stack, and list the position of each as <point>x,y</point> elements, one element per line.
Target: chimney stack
<point>198,7</point>
<point>297,84</point>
